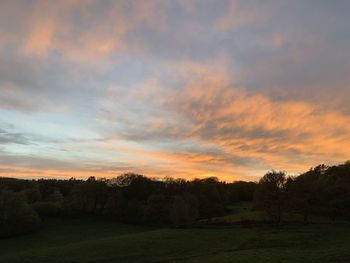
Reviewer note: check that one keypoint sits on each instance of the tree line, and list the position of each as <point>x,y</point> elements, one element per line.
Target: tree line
<point>136,199</point>
<point>322,191</point>
<point>129,198</point>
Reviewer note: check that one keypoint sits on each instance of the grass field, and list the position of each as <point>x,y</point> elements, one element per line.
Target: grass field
<point>95,240</point>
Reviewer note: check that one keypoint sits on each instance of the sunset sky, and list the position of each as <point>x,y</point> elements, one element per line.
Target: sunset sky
<point>180,88</point>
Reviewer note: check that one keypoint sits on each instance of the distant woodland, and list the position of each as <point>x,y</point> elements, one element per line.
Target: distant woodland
<point>135,199</point>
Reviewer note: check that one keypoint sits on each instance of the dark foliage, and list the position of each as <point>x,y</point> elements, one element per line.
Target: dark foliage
<point>48,208</point>
<point>136,199</point>
<point>16,216</point>
<point>270,194</point>
<point>129,198</point>
<point>321,191</point>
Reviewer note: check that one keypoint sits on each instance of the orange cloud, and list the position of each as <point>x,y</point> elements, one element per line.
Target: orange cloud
<point>50,27</point>
<point>253,125</point>
<point>237,134</point>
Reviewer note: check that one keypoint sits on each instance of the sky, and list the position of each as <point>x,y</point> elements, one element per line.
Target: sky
<point>173,88</point>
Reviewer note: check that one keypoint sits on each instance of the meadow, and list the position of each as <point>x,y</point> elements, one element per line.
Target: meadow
<point>99,240</point>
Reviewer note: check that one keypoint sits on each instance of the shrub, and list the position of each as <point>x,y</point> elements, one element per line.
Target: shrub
<point>16,216</point>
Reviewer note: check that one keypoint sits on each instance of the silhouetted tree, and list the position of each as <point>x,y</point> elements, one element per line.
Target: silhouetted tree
<point>270,195</point>
<point>89,196</point>
<point>303,193</point>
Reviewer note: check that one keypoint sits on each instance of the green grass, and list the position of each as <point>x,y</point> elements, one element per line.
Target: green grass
<point>245,211</point>
<point>94,240</point>
<point>241,212</point>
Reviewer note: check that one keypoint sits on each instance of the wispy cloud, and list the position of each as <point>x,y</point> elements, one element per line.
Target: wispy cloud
<point>9,137</point>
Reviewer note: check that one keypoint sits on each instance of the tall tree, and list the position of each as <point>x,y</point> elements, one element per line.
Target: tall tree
<point>270,195</point>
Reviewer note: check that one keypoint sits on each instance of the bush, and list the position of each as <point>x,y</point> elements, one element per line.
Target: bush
<point>16,216</point>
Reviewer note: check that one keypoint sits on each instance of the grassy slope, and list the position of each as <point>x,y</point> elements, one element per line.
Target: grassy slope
<point>99,241</point>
